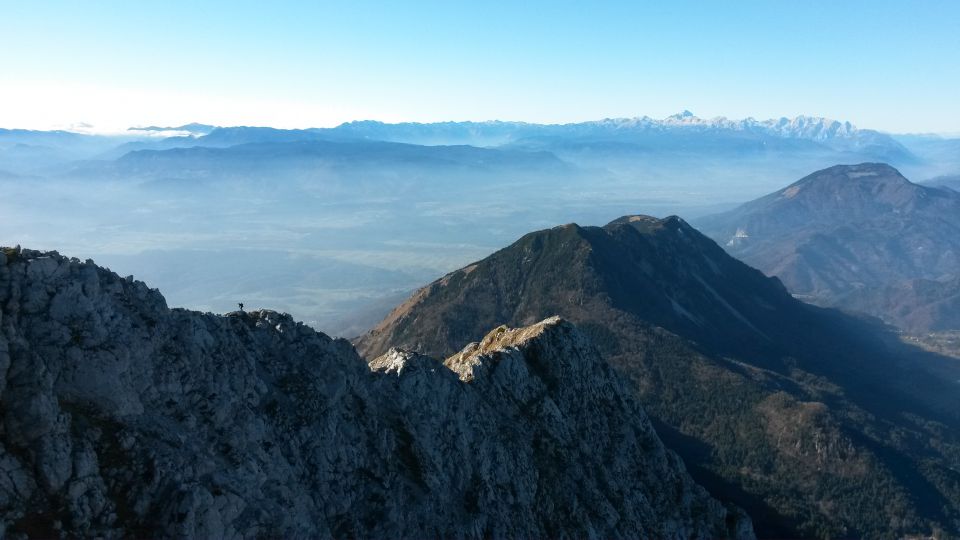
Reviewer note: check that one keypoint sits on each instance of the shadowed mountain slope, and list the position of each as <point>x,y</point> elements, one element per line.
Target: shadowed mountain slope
<point>123,418</point>
<point>813,421</point>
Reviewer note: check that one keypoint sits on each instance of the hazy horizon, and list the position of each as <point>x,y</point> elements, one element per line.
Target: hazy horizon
<point>135,129</point>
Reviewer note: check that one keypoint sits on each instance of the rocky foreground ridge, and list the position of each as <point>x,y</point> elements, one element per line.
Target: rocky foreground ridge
<point>122,417</point>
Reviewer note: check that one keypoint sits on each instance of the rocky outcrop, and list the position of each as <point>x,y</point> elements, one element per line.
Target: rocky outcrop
<point>121,417</point>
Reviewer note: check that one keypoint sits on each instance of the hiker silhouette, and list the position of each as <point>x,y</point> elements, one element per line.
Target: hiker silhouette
<point>241,306</point>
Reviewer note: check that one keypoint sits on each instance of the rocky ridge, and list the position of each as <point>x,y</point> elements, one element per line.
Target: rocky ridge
<point>818,424</point>
<point>122,417</point>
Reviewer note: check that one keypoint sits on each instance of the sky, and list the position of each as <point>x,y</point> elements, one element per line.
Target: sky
<point>892,66</point>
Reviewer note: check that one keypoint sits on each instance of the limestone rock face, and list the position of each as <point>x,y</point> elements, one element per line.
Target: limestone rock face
<point>121,417</point>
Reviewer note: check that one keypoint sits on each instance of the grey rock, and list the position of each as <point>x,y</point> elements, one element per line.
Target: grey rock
<point>122,417</point>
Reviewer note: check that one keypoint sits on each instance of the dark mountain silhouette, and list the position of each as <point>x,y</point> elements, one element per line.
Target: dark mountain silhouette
<point>846,231</point>
<point>123,418</point>
<point>817,423</point>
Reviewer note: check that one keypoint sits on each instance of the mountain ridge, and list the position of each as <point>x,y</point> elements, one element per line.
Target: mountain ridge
<point>846,230</point>
<point>839,136</point>
<point>842,136</point>
<point>737,375</point>
<point>807,138</point>
<point>122,417</point>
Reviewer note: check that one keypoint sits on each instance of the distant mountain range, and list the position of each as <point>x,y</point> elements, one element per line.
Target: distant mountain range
<point>816,423</point>
<point>856,236</point>
<point>193,128</point>
<point>832,132</point>
<point>679,132</point>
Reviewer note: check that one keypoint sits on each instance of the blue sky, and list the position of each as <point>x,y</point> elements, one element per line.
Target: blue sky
<point>893,66</point>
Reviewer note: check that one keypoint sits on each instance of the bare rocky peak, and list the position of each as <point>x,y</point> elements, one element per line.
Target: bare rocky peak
<point>504,339</point>
<point>122,417</point>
